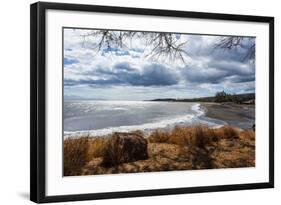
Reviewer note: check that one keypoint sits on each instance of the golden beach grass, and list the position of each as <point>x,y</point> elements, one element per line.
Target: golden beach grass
<point>182,148</point>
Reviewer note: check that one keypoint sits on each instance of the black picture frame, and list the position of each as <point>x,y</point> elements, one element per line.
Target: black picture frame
<point>38,101</point>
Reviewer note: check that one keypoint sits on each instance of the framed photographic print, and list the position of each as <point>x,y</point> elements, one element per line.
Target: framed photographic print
<point>129,102</point>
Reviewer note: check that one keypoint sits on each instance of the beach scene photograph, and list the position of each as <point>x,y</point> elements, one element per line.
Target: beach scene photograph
<point>143,101</point>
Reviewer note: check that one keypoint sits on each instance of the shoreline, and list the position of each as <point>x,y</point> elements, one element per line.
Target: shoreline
<point>163,124</point>
<point>236,115</point>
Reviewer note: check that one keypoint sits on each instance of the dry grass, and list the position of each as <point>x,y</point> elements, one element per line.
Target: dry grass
<point>195,136</point>
<point>158,136</point>
<point>247,138</point>
<point>77,152</point>
<point>112,153</point>
<point>97,147</point>
<point>75,155</point>
<point>193,147</point>
<point>227,132</point>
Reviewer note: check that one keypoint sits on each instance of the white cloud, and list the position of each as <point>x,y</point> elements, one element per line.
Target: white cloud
<point>204,72</point>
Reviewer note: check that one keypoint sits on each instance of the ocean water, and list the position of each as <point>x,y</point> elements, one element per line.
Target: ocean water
<point>98,118</point>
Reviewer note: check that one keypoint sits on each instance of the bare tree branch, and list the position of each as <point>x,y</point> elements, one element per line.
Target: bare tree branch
<point>229,43</point>
<point>163,44</point>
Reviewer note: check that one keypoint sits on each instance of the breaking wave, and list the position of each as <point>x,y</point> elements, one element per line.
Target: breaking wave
<point>166,123</point>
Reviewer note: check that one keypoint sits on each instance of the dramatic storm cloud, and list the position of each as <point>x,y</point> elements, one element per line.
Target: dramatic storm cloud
<point>130,73</point>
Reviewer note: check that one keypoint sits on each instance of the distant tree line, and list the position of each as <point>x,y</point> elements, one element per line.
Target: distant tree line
<point>220,97</point>
<point>226,97</point>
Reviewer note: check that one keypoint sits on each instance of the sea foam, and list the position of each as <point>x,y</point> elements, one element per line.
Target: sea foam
<point>186,119</point>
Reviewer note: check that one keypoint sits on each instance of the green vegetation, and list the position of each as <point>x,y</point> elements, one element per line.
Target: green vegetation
<point>220,97</point>
<point>239,99</point>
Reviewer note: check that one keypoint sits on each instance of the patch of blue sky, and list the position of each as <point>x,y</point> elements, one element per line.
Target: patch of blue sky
<point>122,53</point>
<point>69,61</point>
<point>138,50</point>
<point>116,51</point>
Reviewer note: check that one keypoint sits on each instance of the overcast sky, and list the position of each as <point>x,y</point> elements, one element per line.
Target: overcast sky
<point>128,74</point>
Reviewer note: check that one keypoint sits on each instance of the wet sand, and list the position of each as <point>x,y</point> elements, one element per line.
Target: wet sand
<point>237,115</point>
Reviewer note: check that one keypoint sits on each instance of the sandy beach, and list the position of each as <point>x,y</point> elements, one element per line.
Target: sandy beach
<point>236,115</point>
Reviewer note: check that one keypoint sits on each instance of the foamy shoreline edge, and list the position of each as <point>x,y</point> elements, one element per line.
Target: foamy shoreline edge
<point>146,127</point>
